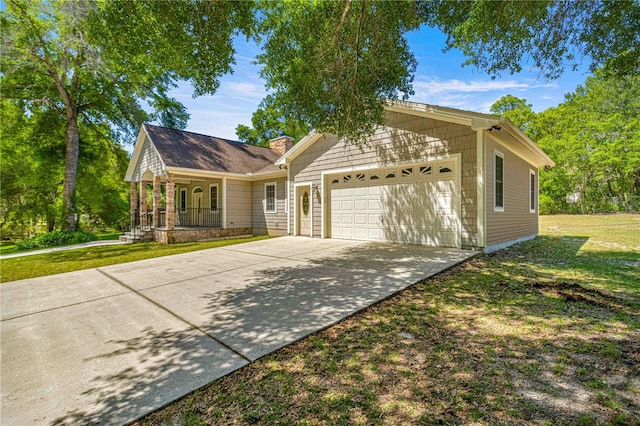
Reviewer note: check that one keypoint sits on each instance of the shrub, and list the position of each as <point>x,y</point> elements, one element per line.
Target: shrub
<point>55,238</point>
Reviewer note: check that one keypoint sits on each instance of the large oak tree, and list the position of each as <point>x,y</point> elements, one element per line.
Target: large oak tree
<point>101,62</point>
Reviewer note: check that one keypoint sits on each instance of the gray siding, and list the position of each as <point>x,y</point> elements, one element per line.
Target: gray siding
<point>269,223</point>
<point>406,138</point>
<point>516,221</point>
<point>239,210</point>
<point>148,160</point>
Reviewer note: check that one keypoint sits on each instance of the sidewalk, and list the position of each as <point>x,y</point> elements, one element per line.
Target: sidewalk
<point>63,248</point>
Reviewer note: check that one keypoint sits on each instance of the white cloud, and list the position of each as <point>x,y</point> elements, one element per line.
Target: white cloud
<point>439,86</point>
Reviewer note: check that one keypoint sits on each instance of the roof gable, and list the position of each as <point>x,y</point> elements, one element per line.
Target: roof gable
<point>475,120</point>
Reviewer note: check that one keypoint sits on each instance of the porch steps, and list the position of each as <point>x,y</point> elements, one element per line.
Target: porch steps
<point>137,237</point>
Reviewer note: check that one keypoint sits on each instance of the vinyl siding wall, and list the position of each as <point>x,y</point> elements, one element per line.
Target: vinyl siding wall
<point>269,223</point>
<point>516,221</point>
<point>406,138</point>
<point>239,210</point>
<point>149,160</point>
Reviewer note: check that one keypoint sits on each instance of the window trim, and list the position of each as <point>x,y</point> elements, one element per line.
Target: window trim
<point>533,184</point>
<point>496,207</point>
<point>183,199</point>
<point>217,197</point>
<point>275,197</point>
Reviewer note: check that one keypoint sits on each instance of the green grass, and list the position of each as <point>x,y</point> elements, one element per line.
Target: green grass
<point>7,247</point>
<point>73,260</point>
<point>546,332</point>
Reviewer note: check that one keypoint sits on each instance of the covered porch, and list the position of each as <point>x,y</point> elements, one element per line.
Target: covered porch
<point>173,208</point>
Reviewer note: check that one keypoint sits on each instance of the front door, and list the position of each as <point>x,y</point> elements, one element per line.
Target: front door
<point>196,211</point>
<point>304,210</point>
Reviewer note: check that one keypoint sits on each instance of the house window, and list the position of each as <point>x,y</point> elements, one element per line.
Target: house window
<point>425,170</point>
<point>213,197</point>
<point>498,182</point>
<point>360,177</point>
<point>532,191</point>
<point>270,198</point>
<point>407,172</point>
<point>183,199</point>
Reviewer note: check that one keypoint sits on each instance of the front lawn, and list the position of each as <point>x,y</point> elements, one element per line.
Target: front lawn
<point>38,265</point>
<point>544,333</point>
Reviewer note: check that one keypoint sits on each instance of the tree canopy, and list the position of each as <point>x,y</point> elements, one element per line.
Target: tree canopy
<point>98,64</point>
<point>270,121</point>
<point>594,138</point>
<point>332,63</point>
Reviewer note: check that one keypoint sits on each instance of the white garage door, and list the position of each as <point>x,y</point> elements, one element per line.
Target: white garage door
<point>415,204</point>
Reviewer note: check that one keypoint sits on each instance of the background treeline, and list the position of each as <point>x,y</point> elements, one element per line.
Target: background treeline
<point>594,138</point>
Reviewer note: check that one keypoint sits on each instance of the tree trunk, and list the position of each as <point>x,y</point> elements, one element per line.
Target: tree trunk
<point>70,172</point>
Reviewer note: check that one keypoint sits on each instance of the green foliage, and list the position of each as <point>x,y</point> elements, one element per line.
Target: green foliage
<point>31,172</point>
<point>55,238</point>
<point>332,63</point>
<point>496,36</point>
<point>269,121</point>
<point>594,138</point>
<point>515,109</point>
<point>96,64</point>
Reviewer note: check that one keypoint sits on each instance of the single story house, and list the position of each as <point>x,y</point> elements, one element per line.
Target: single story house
<point>431,175</point>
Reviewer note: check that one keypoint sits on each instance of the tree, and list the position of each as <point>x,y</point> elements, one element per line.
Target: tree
<point>270,121</point>
<point>32,168</point>
<point>331,63</point>
<point>517,110</point>
<point>71,57</point>
<point>552,35</point>
<point>594,137</point>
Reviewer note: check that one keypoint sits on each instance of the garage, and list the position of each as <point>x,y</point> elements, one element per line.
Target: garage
<point>413,204</point>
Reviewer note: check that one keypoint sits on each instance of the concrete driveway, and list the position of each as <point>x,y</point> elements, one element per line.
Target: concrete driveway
<point>109,345</point>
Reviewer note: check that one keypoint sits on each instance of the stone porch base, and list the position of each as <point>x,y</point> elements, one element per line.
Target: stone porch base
<point>185,235</point>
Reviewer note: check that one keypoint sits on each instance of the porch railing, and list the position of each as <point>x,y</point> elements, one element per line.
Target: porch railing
<point>140,222</point>
<point>195,218</point>
<point>185,218</point>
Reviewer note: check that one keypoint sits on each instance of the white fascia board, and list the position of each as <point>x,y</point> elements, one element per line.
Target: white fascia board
<point>475,120</point>
<point>298,148</point>
<point>214,174</point>
<point>137,151</point>
<point>544,159</point>
<point>269,175</point>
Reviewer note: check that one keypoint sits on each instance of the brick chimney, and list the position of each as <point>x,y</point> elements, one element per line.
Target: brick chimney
<point>281,144</point>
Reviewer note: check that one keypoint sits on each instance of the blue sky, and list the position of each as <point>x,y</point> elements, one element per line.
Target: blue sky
<point>440,80</point>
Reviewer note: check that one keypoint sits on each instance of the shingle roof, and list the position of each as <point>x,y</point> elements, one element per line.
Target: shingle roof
<point>201,152</point>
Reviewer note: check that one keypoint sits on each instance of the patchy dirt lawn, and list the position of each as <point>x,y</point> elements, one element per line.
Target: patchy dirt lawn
<point>547,332</point>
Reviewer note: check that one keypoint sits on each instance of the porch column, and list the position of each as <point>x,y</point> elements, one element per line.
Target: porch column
<point>157,200</point>
<point>143,199</point>
<point>133,199</point>
<point>171,201</point>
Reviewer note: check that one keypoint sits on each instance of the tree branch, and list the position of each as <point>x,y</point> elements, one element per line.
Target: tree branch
<point>341,23</point>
